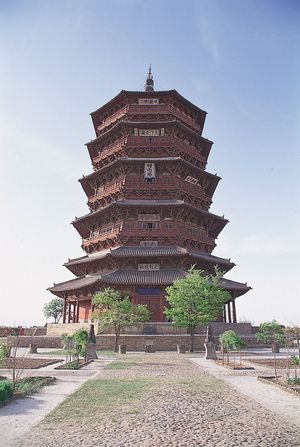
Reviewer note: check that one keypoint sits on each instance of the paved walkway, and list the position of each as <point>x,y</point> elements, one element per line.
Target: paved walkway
<point>281,402</point>
<point>19,416</point>
<point>162,400</point>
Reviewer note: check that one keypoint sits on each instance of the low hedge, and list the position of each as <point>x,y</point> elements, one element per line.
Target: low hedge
<point>6,391</point>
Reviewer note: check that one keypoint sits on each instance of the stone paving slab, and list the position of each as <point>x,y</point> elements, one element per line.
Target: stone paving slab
<point>186,407</point>
<point>281,402</point>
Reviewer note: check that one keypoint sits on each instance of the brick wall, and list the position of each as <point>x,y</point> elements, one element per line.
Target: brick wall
<point>40,341</point>
<point>9,330</point>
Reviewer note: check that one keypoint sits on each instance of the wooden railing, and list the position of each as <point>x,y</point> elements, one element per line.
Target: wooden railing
<point>109,188</point>
<point>165,183</point>
<point>177,230</point>
<point>148,110</point>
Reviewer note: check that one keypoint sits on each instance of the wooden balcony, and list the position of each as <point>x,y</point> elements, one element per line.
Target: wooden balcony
<point>161,109</point>
<point>165,183</point>
<point>177,230</point>
<point>108,189</point>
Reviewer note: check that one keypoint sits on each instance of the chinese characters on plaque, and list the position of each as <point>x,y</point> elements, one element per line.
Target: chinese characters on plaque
<point>148,101</point>
<point>149,170</point>
<point>147,267</point>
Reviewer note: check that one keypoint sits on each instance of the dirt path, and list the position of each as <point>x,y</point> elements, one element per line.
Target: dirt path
<point>160,400</point>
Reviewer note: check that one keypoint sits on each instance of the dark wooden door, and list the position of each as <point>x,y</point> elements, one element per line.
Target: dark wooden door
<point>153,304</point>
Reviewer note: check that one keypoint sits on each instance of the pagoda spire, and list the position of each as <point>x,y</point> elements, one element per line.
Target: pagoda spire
<point>149,85</point>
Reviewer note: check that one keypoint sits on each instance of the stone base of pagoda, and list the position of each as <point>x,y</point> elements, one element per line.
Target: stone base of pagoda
<point>65,328</point>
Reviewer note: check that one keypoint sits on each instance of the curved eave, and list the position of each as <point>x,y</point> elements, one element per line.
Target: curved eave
<point>74,285</point>
<point>162,277</point>
<point>81,222</point>
<point>147,252</point>
<point>148,124</point>
<point>85,179</point>
<point>96,115</point>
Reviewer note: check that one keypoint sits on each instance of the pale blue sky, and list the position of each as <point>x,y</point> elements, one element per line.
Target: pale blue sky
<point>238,60</point>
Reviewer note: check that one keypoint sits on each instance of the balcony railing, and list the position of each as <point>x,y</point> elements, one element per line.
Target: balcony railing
<point>164,230</point>
<point>165,183</point>
<point>148,110</point>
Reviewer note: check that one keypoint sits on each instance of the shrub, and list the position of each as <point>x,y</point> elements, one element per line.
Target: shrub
<point>294,381</point>
<point>4,351</point>
<point>5,391</point>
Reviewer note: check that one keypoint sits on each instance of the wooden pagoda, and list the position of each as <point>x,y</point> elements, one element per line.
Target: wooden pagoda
<point>149,198</point>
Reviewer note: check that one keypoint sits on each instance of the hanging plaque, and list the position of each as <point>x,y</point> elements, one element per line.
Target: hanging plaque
<point>149,170</point>
<point>191,180</point>
<point>149,101</point>
<point>147,267</point>
<point>149,132</point>
<point>148,243</point>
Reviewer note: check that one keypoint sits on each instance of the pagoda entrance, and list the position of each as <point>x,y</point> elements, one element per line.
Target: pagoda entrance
<point>153,299</point>
<point>153,304</point>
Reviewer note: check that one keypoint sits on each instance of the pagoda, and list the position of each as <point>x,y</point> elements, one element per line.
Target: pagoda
<point>149,197</point>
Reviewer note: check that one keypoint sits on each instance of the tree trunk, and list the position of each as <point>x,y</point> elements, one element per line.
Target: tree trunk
<point>192,332</point>
<point>275,365</point>
<point>117,339</point>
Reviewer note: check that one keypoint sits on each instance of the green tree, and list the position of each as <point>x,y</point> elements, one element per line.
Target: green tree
<point>114,311</point>
<point>230,341</point>
<point>196,299</point>
<point>80,338</point>
<point>272,332</point>
<point>54,309</point>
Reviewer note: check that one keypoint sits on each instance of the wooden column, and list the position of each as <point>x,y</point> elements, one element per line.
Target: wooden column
<point>77,315</point>
<point>74,313</point>
<point>65,310</point>
<point>234,311</point>
<point>69,311</point>
<point>229,312</point>
<point>224,314</point>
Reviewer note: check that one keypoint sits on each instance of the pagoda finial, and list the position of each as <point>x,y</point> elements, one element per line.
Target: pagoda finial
<point>149,85</point>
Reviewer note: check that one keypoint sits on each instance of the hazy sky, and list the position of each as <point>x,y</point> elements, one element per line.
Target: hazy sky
<point>238,60</point>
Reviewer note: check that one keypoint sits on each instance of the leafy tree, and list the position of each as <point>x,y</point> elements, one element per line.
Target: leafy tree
<point>80,338</point>
<point>114,311</point>
<point>195,299</point>
<point>271,332</point>
<point>54,309</point>
<point>230,341</point>
<point>75,345</point>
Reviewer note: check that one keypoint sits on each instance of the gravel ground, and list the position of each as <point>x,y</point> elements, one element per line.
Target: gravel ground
<point>185,407</point>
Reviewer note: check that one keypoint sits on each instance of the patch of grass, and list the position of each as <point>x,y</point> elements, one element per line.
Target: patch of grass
<point>106,352</point>
<point>202,384</point>
<point>30,385</point>
<point>55,352</point>
<point>96,397</point>
<point>120,365</point>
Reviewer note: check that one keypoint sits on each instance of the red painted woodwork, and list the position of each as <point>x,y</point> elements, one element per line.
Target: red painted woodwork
<point>179,195</point>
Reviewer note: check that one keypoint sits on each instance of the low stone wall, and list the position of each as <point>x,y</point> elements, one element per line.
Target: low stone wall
<point>160,342</point>
<point>167,342</point>
<point>42,341</point>
<point>65,328</point>
<point>158,328</point>
<point>242,329</point>
<point>5,331</point>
